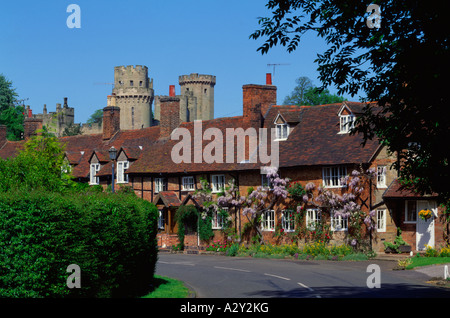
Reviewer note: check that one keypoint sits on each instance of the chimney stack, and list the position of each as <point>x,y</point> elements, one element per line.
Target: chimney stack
<point>172,90</point>
<point>258,98</point>
<point>30,125</point>
<point>169,115</point>
<point>111,118</point>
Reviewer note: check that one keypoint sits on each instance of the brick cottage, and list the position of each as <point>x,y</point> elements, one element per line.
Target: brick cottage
<point>314,146</point>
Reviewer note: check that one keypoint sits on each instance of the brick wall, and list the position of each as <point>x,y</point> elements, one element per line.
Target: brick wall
<point>111,121</point>
<point>262,95</point>
<point>170,115</point>
<point>31,125</point>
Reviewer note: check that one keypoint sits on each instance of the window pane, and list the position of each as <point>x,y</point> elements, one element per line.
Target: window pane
<point>411,211</point>
<point>188,183</point>
<point>381,220</point>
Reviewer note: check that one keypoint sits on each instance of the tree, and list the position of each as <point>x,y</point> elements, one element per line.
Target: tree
<point>96,117</point>
<point>297,97</point>
<point>72,130</point>
<point>11,114</point>
<point>39,165</point>
<point>316,96</point>
<point>305,93</point>
<point>401,63</point>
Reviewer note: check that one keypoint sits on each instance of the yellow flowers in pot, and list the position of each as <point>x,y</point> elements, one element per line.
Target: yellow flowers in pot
<point>425,214</point>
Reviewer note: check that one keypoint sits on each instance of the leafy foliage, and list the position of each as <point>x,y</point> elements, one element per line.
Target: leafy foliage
<point>305,93</point>
<point>72,130</point>
<point>111,238</point>
<point>37,166</point>
<point>96,117</point>
<point>11,113</point>
<point>48,222</point>
<point>186,218</point>
<point>401,65</point>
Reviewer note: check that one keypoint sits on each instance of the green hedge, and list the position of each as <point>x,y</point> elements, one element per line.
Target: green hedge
<point>112,238</point>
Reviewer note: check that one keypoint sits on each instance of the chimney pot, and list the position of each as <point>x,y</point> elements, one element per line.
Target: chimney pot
<point>268,79</point>
<point>172,90</point>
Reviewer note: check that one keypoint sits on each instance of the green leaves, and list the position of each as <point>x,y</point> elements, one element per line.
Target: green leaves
<point>401,66</point>
<point>305,93</point>
<point>111,238</point>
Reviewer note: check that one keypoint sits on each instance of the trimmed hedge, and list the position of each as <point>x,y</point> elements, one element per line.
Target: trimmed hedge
<point>112,238</point>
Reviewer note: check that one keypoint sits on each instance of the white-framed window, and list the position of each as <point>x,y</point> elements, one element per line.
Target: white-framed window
<point>332,176</point>
<point>288,220</point>
<point>265,181</point>
<point>217,182</point>
<point>313,218</point>
<point>188,183</point>
<point>161,220</point>
<point>282,131</point>
<point>381,176</point>
<point>338,223</point>
<point>218,220</point>
<point>410,211</point>
<point>121,167</point>
<point>160,185</point>
<point>93,179</point>
<point>381,220</point>
<point>268,220</point>
<point>347,122</point>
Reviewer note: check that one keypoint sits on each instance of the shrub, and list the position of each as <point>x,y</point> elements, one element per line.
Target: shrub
<point>112,238</point>
<point>445,252</point>
<point>431,251</point>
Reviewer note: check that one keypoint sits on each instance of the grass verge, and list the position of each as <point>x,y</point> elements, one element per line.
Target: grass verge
<point>425,261</point>
<point>166,287</point>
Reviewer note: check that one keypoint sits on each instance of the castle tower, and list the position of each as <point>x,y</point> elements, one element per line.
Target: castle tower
<point>202,88</point>
<point>134,95</point>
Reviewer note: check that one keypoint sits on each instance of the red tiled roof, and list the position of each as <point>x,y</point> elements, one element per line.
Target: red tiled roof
<point>129,140</point>
<point>157,158</point>
<point>395,191</point>
<point>316,140</point>
<point>10,149</point>
<point>169,198</point>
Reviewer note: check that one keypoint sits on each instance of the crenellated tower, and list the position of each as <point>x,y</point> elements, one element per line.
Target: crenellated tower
<point>134,95</point>
<point>202,87</point>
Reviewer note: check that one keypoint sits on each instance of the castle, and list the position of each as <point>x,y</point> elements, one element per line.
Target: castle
<point>134,94</point>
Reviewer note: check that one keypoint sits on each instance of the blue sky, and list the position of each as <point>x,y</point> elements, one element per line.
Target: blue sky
<point>47,61</point>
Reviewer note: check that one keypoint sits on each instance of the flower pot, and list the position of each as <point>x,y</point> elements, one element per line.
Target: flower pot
<point>404,248</point>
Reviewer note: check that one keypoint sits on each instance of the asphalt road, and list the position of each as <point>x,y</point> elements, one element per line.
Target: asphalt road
<point>212,276</point>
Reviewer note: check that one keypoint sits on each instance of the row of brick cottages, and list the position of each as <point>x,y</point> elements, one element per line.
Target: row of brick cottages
<point>314,146</point>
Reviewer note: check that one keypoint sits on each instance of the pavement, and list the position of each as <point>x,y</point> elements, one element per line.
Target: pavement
<point>433,271</point>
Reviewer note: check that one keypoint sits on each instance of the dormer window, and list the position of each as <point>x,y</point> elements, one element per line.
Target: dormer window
<point>93,179</point>
<point>282,131</point>
<point>121,167</point>
<point>282,128</point>
<point>346,119</point>
<point>346,123</point>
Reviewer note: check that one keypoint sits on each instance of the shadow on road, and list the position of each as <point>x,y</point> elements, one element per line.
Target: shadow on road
<point>385,291</point>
